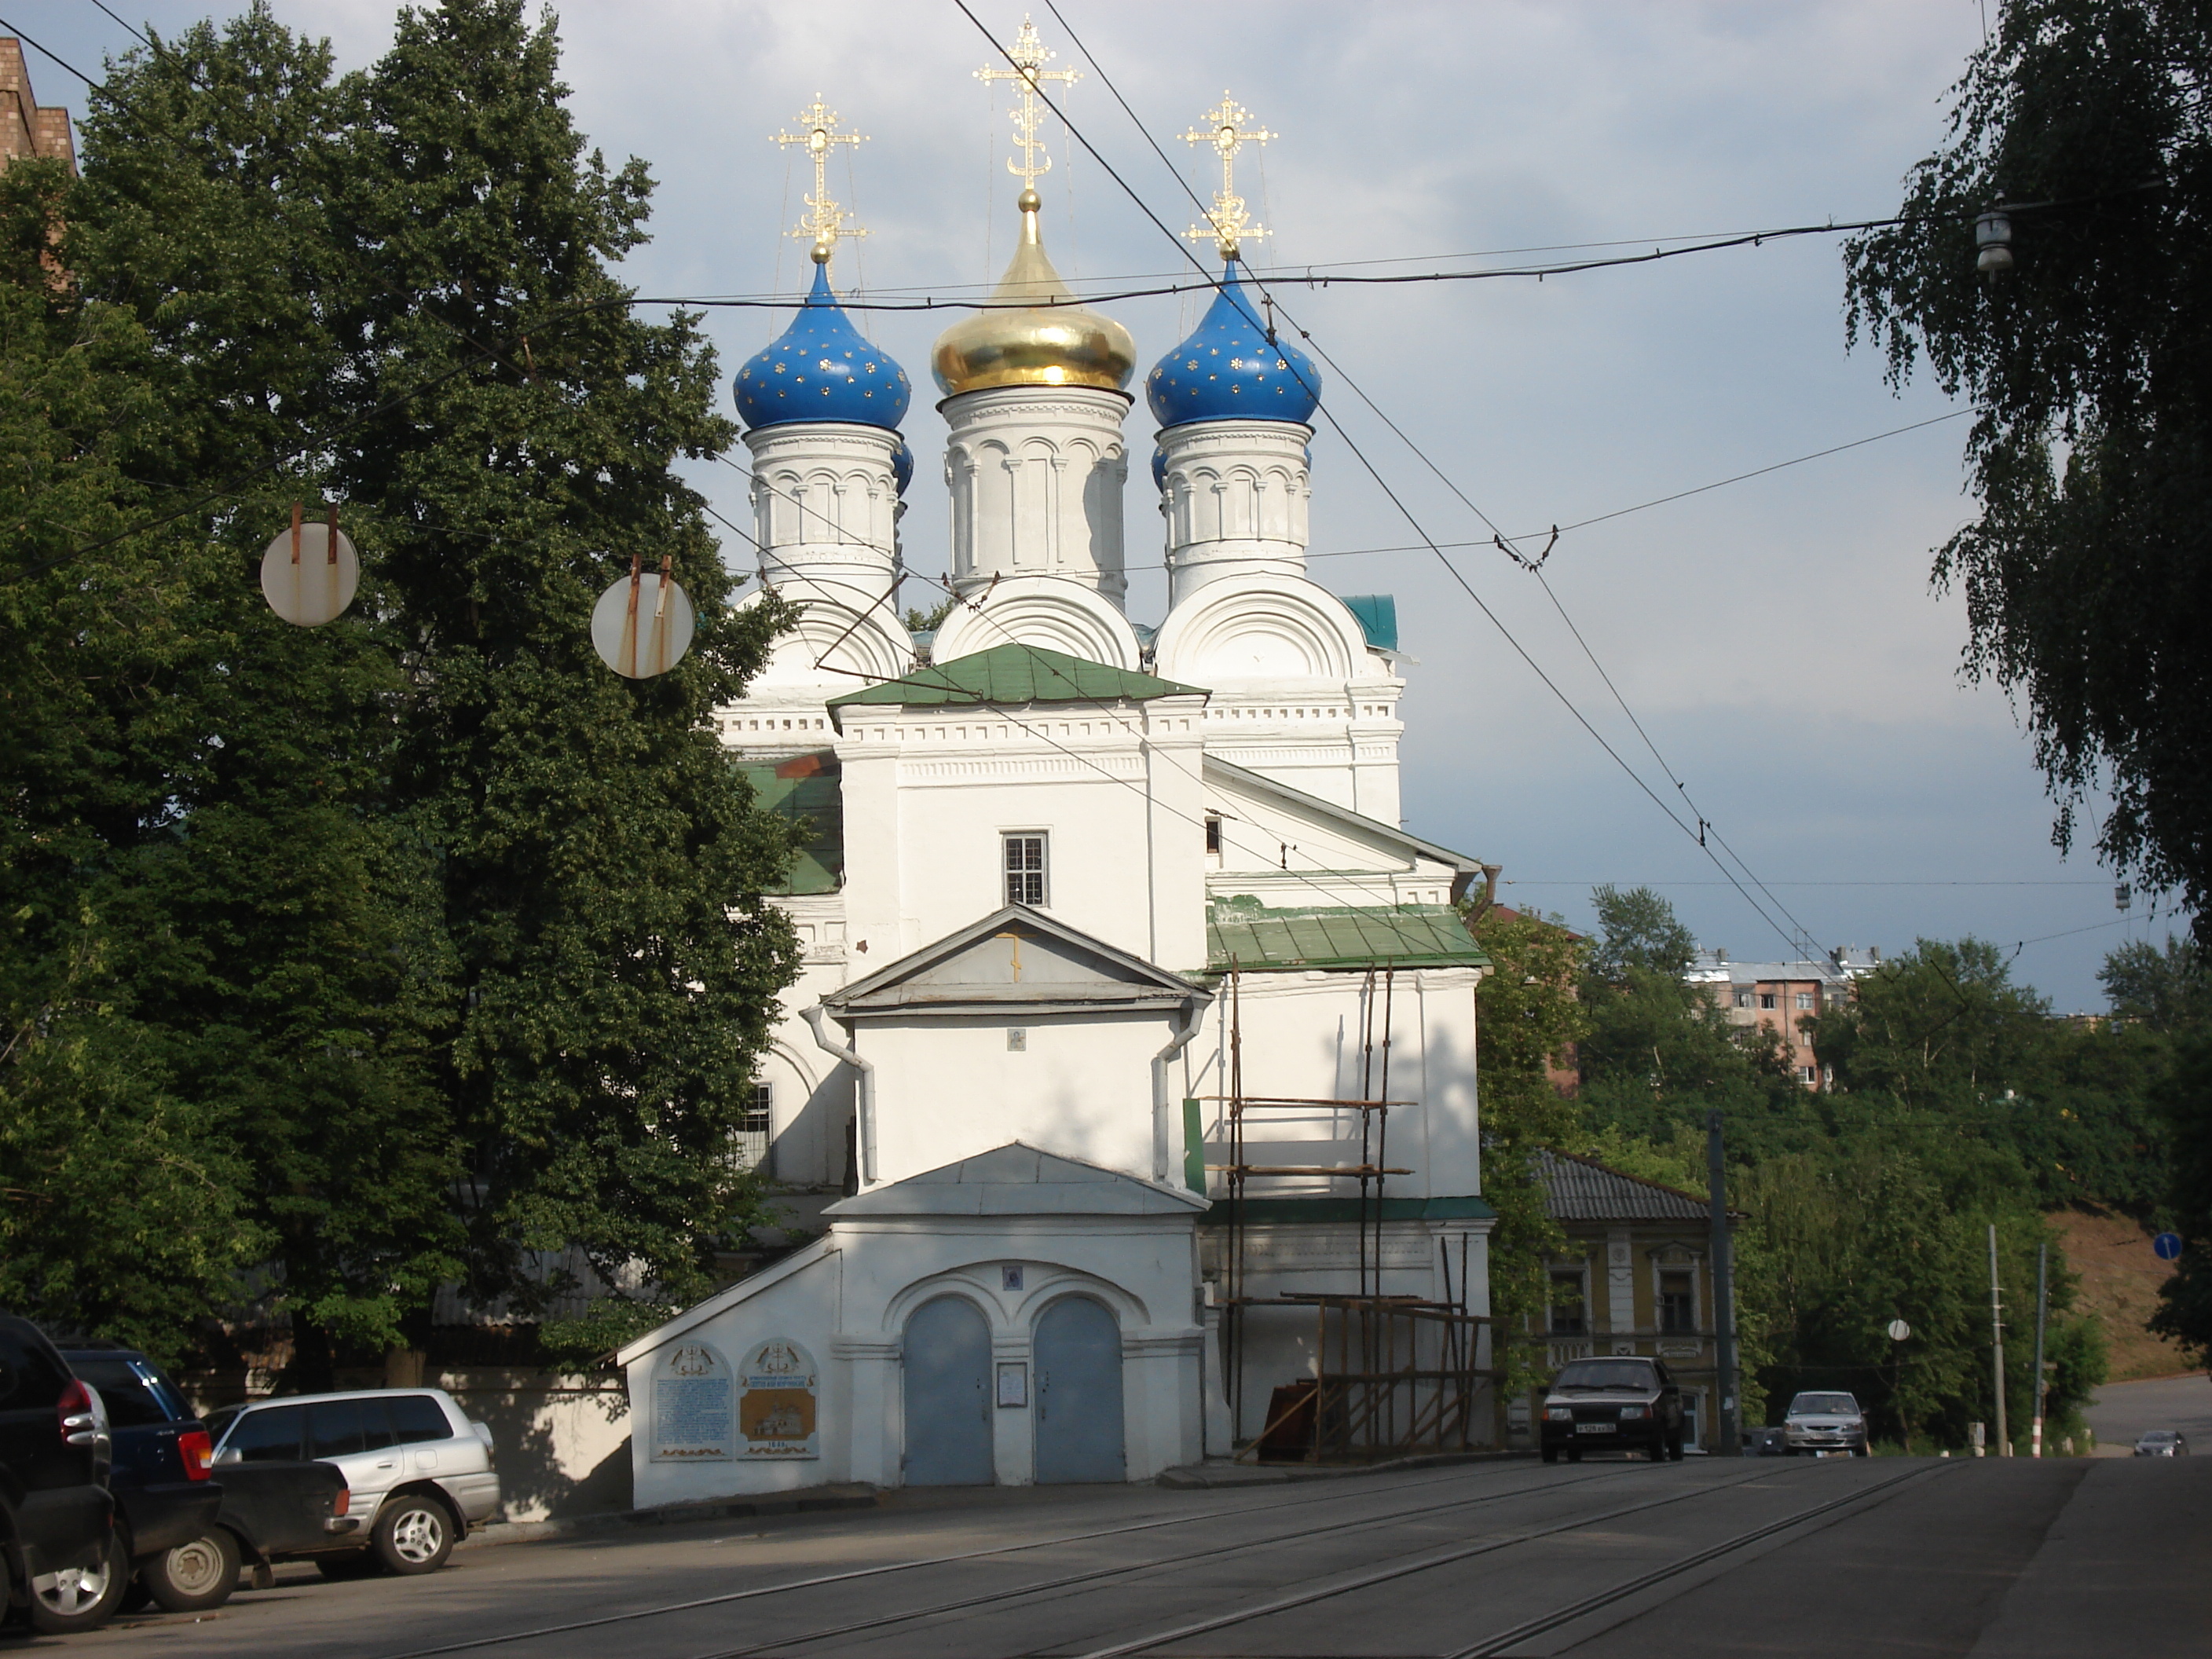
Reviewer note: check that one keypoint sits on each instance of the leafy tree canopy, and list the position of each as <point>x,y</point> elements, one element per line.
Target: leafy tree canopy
<point>2087,575</point>
<point>438,950</point>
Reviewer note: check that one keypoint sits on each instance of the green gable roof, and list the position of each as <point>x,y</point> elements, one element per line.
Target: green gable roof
<point>808,790</point>
<point>1016,673</point>
<point>1245,933</point>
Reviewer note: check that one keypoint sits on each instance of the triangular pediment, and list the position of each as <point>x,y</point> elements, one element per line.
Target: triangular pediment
<point>1013,957</point>
<point>1018,1179</point>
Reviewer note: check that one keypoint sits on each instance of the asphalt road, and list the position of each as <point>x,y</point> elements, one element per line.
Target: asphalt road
<point>1998,1559</point>
<point>2122,1411</point>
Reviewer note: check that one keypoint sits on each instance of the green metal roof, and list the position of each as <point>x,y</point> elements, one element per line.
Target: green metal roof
<point>806,789</point>
<point>1377,615</point>
<point>1016,673</point>
<point>1244,932</point>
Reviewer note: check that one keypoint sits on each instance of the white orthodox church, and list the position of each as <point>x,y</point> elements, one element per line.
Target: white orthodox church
<point>1113,936</point>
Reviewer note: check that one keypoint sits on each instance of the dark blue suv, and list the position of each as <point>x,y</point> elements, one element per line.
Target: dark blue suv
<point>166,1503</point>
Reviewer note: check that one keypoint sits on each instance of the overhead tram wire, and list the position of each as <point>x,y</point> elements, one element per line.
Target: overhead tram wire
<point>1351,443</point>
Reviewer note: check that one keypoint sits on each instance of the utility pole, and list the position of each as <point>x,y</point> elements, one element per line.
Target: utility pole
<point>1729,1442</point>
<point>1997,1345</point>
<point>2042,1306</point>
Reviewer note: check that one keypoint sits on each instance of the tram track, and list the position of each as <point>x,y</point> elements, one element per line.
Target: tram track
<point>1500,1641</point>
<point>1097,1575</point>
<point>883,1568</point>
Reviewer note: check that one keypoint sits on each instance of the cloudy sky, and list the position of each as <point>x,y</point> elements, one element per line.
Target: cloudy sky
<point>1777,638</point>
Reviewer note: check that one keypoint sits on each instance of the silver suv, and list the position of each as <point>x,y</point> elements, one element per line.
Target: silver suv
<point>1824,1424</point>
<point>420,1470</point>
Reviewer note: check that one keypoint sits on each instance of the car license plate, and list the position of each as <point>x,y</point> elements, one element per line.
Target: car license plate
<point>1597,1428</point>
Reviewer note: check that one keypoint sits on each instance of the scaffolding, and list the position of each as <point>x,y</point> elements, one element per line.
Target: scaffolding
<point>1393,1375</point>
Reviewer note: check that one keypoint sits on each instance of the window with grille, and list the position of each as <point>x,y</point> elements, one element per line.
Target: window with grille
<point>1025,871</point>
<point>1678,1301</point>
<point>1805,1001</point>
<point>1743,998</point>
<point>1567,1303</point>
<point>748,1145</point>
<point>1769,1000</point>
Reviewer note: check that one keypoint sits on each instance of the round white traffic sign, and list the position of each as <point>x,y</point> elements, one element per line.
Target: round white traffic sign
<point>310,574</point>
<point>642,626</point>
<point>1898,1330</point>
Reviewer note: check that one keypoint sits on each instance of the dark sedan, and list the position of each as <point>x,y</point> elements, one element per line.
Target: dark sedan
<point>1625,1403</point>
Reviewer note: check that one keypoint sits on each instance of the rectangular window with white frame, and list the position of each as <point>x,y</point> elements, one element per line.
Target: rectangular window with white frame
<point>748,1145</point>
<point>1023,860</point>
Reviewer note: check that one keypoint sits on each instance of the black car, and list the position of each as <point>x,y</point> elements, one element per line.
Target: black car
<point>65,1557</point>
<point>1625,1403</point>
<point>192,1536</point>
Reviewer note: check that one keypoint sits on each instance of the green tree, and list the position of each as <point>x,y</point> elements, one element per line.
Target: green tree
<point>448,940</point>
<point>2184,1310</point>
<point>2087,575</point>
<point>1661,1051</point>
<point>1528,1019</point>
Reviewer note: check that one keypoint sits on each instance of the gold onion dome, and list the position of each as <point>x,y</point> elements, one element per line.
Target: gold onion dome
<point>1032,332</point>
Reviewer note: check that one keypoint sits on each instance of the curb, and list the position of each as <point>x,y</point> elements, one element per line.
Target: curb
<point>1220,1473</point>
<point>819,1500</point>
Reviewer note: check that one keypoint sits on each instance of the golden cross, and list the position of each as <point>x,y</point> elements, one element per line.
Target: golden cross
<point>1017,939</point>
<point>824,223</point>
<point>1028,57</point>
<point>1229,223</point>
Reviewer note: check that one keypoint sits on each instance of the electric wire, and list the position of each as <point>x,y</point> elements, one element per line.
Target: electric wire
<point>1359,454</point>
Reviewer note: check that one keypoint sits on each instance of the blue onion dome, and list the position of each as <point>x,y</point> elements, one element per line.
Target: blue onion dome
<point>821,369</point>
<point>902,467</point>
<point>1229,370</point>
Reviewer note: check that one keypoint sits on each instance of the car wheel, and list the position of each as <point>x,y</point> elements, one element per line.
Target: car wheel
<point>1674,1450</point>
<point>352,1563</point>
<point>80,1598</point>
<point>195,1575</point>
<point>1860,1451</point>
<point>1574,1454</point>
<point>413,1534</point>
<point>1551,1454</point>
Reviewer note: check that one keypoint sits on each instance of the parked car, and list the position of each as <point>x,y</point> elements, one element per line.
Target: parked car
<point>1765,1442</point>
<point>66,1562</point>
<point>2163,1443</point>
<point>1824,1424</point>
<point>420,1470</point>
<point>188,1536</point>
<point>1625,1403</point>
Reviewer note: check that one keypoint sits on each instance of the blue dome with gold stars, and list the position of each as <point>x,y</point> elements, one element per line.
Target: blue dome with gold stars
<point>1228,370</point>
<point>821,369</point>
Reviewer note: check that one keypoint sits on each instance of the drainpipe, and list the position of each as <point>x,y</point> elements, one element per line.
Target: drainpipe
<point>1186,1029</point>
<point>865,1096</point>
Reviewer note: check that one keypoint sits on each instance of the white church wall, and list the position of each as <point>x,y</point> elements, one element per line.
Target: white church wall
<point>798,1300</point>
<point>949,1087</point>
<point>929,794</point>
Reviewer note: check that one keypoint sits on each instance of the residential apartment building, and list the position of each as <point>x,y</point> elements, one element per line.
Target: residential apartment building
<point>1785,997</point>
<point>25,128</point>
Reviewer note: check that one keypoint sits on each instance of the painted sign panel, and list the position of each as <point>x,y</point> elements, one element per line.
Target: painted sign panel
<point>692,1406</point>
<point>776,1410</point>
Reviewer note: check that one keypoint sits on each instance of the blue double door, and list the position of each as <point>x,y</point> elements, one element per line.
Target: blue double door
<point>1076,1360</point>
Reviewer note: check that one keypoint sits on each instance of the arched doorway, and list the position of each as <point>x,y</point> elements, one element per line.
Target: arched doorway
<point>1078,1355</point>
<point>948,1397</point>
